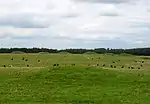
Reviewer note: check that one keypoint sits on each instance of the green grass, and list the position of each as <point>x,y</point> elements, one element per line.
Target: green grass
<point>74,86</point>
<point>41,83</point>
<point>47,60</point>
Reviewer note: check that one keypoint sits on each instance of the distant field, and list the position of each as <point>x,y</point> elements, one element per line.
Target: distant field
<point>85,60</point>
<point>78,79</point>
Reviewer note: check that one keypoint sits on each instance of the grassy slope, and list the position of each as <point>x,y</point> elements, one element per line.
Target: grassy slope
<point>74,85</point>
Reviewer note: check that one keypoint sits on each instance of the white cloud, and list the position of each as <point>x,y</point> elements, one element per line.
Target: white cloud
<point>74,23</point>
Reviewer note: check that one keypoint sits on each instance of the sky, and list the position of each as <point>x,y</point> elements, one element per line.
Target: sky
<point>75,23</point>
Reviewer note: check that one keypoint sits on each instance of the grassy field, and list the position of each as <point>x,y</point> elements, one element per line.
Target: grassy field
<point>48,60</point>
<point>79,79</point>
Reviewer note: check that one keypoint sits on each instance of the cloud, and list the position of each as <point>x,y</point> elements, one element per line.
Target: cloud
<point>110,14</point>
<point>71,15</point>
<point>23,21</point>
<point>67,23</point>
<point>106,1</point>
<point>22,37</point>
<point>141,25</point>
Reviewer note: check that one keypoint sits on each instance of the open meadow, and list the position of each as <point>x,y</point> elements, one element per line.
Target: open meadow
<point>74,79</point>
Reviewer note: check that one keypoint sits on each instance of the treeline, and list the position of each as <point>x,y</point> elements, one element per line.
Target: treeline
<point>135,51</point>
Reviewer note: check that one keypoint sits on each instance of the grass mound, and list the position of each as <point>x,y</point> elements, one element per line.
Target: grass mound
<point>110,54</point>
<point>43,52</point>
<point>125,54</point>
<point>145,58</point>
<point>18,52</point>
<point>74,86</point>
<point>90,52</point>
<point>64,53</point>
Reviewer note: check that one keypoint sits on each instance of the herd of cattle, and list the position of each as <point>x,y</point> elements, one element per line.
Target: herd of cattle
<point>90,65</point>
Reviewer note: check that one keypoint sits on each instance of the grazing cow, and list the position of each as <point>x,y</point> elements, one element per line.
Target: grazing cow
<point>4,66</point>
<point>114,66</point>
<point>26,60</point>
<point>129,67</point>
<point>73,64</point>
<point>111,66</point>
<point>132,67</point>
<point>136,61</point>
<point>56,65</point>
<point>142,61</point>
<point>23,58</point>
<point>113,61</point>
<point>139,68</point>
<point>141,65</point>
<point>99,58</point>
<point>104,65</point>
<point>12,59</point>
<point>27,65</point>
<point>97,64</point>
<point>122,66</point>
<point>38,60</point>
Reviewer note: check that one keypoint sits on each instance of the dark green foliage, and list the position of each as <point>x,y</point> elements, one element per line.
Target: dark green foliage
<point>137,51</point>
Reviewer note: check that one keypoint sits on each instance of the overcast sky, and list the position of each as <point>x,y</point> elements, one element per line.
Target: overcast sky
<point>75,23</point>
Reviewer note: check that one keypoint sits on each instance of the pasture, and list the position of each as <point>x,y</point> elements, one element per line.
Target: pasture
<point>74,79</point>
<point>80,60</point>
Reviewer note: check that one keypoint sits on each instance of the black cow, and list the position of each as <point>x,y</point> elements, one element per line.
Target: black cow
<point>4,66</point>
<point>104,65</point>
